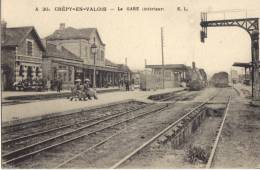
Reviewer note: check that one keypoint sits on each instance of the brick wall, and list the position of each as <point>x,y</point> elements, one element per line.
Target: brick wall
<point>82,48</point>
<point>8,66</point>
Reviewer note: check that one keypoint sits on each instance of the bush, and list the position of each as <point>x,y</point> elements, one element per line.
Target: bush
<point>197,154</point>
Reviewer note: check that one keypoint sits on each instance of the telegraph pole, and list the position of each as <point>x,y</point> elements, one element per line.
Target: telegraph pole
<point>128,74</point>
<point>162,43</point>
<point>255,62</point>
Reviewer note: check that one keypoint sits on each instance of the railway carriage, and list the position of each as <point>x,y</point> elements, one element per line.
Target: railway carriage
<point>219,80</point>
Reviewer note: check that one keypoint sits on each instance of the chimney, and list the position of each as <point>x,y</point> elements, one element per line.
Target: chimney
<point>62,26</point>
<point>3,30</point>
<point>193,65</point>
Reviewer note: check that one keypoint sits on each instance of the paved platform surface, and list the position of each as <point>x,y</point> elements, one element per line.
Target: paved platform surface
<point>30,95</point>
<point>38,108</point>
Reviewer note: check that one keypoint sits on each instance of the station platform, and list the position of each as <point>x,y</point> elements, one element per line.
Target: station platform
<point>56,106</point>
<point>31,95</point>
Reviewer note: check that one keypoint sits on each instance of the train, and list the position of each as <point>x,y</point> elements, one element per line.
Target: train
<point>196,79</point>
<point>220,80</point>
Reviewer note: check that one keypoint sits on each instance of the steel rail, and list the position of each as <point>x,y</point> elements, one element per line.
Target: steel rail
<point>72,139</point>
<point>65,126</point>
<point>212,154</point>
<point>127,157</point>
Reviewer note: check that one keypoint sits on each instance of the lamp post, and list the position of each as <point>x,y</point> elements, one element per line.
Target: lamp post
<point>94,51</point>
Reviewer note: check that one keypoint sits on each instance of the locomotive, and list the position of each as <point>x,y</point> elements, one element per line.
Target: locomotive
<point>196,78</point>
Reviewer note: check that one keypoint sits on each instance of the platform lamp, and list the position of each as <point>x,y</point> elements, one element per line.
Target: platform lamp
<point>94,51</point>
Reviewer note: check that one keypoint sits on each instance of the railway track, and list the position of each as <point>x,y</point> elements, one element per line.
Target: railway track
<point>186,117</point>
<point>73,135</point>
<point>46,123</point>
<point>71,125</point>
<point>219,131</point>
<point>16,156</point>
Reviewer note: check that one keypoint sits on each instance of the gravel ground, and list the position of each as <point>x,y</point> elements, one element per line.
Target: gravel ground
<point>135,134</point>
<point>87,130</point>
<point>239,146</point>
<point>167,157</point>
<point>46,124</point>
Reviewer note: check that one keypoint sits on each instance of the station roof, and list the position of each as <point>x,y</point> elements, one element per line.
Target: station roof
<point>16,35</point>
<point>246,65</point>
<point>52,51</point>
<point>73,33</point>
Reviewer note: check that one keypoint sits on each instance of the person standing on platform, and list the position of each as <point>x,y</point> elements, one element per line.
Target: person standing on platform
<point>86,89</point>
<point>59,85</point>
<point>127,85</point>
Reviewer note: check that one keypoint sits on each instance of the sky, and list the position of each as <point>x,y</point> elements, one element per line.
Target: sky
<point>136,35</point>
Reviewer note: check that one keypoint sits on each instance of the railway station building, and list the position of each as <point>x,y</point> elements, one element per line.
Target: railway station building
<point>60,64</point>
<point>78,43</point>
<point>174,73</point>
<point>21,54</point>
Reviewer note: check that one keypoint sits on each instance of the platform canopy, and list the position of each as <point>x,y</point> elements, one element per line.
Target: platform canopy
<point>245,65</point>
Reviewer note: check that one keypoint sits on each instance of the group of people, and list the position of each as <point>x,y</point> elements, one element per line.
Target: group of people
<point>30,84</point>
<point>82,91</point>
<point>126,84</point>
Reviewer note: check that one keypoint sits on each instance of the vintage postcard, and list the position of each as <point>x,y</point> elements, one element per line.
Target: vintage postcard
<point>141,84</point>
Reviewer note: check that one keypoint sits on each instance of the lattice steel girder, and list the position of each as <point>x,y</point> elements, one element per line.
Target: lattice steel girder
<point>248,24</point>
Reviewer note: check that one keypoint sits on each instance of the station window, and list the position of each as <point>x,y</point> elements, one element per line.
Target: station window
<point>29,47</point>
<point>70,74</point>
<point>102,55</point>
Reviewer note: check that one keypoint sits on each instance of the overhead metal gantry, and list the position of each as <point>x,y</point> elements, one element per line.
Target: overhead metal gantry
<point>251,26</point>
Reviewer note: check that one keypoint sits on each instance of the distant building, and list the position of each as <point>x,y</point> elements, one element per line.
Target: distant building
<point>234,76</point>
<point>174,73</point>
<point>21,54</point>
<point>136,77</point>
<point>78,42</point>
